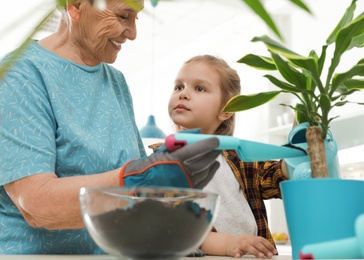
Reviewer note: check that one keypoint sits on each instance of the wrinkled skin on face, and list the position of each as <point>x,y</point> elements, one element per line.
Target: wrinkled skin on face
<point>97,29</point>
<point>94,36</point>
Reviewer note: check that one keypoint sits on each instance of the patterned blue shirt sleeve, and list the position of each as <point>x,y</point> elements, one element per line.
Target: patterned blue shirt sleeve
<point>58,116</point>
<point>28,129</point>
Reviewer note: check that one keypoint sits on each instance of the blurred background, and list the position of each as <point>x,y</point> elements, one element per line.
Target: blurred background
<point>173,31</point>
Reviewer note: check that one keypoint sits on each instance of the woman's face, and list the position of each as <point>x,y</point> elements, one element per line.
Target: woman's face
<point>196,99</point>
<point>100,34</point>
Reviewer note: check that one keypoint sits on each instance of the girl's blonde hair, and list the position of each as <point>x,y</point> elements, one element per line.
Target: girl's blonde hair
<point>229,85</point>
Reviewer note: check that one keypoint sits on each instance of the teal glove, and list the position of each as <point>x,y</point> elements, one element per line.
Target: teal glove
<point>191,166</point>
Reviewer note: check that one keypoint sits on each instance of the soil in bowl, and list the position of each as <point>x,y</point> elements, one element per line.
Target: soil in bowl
<point>152,229</point>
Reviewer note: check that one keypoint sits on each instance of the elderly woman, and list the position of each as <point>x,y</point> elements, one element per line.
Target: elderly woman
<point>66,122</point>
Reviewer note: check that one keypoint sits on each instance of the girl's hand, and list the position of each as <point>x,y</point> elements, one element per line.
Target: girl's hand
<point>237,246</point>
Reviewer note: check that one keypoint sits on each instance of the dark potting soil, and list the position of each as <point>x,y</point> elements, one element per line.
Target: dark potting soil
<point>153,230</point>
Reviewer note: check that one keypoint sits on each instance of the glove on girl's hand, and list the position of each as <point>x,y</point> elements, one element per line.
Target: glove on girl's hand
<point>191,166</point>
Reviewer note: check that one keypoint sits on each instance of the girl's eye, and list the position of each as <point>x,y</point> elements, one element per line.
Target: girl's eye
<point>200,89</point>
<point>178,88</point>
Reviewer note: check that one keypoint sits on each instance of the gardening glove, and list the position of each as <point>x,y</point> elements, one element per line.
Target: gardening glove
<point>191,166</point>
<point>163,148</point>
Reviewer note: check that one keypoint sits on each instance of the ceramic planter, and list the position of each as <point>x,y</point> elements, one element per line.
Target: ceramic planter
<point>321,209</point>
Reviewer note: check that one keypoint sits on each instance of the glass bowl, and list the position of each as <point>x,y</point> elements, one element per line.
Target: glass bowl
<point>148,222</point>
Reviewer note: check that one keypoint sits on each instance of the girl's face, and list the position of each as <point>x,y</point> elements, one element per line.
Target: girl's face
<point>100,34</point>
<point>196,98</point>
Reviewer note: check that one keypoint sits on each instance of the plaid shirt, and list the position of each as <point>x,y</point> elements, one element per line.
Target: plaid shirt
<point>258,181</point>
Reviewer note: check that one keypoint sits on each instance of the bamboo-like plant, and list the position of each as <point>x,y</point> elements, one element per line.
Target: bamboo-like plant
<point>302,77</point>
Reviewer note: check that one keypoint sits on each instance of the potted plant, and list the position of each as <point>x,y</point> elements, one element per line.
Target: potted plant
<point>302,78</point>
<point>316,209</point>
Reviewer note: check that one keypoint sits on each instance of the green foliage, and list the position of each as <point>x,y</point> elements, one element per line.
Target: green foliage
<point>8,62</point>
<point>257,7</point>
<point>302,75</point>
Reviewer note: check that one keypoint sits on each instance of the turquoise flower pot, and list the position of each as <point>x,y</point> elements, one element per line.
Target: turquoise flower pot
<point>320,210</point>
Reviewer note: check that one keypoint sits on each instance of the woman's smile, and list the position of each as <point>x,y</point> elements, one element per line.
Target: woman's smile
<point>116,44</point>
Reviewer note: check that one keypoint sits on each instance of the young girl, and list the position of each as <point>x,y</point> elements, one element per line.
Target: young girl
<point>203,86</point>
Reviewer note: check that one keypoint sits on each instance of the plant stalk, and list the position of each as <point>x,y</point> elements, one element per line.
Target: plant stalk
<point>316,152</point>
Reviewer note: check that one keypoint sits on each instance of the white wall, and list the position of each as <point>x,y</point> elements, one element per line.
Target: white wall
<point>230,40</point>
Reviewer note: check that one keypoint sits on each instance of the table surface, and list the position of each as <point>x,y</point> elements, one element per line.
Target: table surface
<point>107,257</point>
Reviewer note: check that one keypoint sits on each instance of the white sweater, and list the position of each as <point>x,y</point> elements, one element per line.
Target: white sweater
<point>234,215</point>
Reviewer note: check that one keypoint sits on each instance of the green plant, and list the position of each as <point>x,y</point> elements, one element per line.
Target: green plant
<point>258,8</point>
<point>303,77</point>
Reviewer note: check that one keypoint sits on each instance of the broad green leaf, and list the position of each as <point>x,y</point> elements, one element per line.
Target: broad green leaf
<point>348,87</point>
<point>246,102</point>
<point>321,60</point>
<point>351,84</point>
<point>343,92</point>
<point>301,113</point>
<point>289,73</point>
<point>341,103</point>
<point>302,5</point>
<point>257,7</point>
<point>310,66</point>
<point>133,4</point>
<point>282,85</point>
<point>345,20</point>
<point>310,86</point>
<point>17,52</point>
<point>258,62</point>
<point>338,79</point>
<point>357,41</point>
<point>275,46</point>
<point>313,55</point>
<point>61,3</point>
<point>307,63</point>
<point>343,41</point>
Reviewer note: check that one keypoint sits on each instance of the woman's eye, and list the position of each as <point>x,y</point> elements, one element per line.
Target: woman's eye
<point>122,17</point>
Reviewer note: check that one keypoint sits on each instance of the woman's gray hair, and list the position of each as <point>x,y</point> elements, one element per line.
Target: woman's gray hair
<point>63,9</point>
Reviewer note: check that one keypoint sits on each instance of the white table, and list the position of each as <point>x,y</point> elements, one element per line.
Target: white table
<point>107,257</point>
